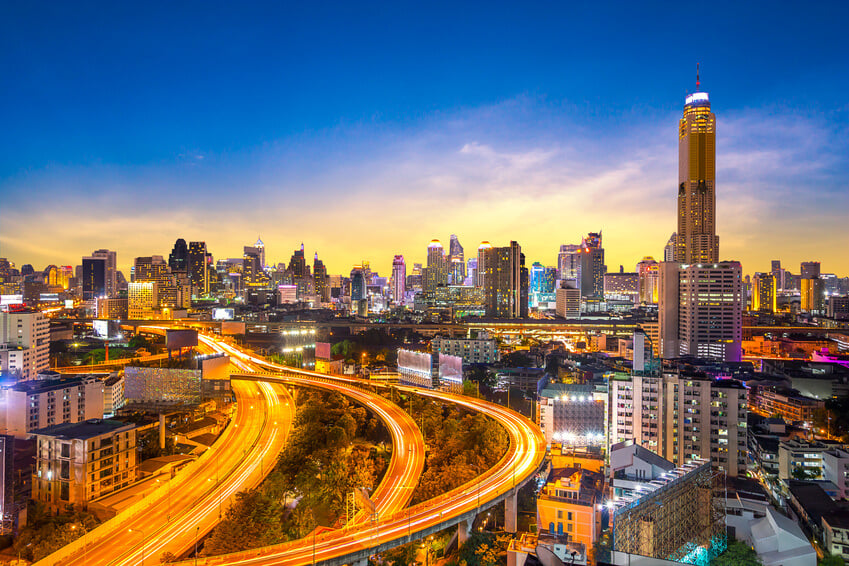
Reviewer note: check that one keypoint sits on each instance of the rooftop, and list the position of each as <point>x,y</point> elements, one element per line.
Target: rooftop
<point>84,430</point>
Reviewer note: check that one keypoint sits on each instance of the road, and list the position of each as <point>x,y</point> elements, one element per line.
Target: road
<point>524,456</point>
<point>173,516</point>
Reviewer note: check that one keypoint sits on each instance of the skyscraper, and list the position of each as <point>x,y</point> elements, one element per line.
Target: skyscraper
<point>100,279</point>
<point>480,276</point>
<point>399,279</point>
<point>94,278</point>
<point>506,291</point>
<point>778,273</point>
<point>456,260</point>
<point>700,311</point>
<point>178,260</point>
<point>261,248</point>
<point>198,267</point>
<point>321,280</point>
<point>436,272</point>
<point>764,292</point>
<point>647,281</point>
<point>592,266</point>
<point>669,248</point>
<point>697,241</point>
<point>298,263</point>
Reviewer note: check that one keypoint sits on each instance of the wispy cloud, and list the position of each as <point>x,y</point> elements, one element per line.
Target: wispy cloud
<point>523,169</point>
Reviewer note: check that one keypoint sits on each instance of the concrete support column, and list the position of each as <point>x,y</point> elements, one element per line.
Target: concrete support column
<point>462,533</point>
<point>510,510</point>
<point>361,562</point>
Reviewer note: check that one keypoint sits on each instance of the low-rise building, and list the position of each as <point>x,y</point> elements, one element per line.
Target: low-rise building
<point>836,470</point>
<point>802,459</point>
<point>479,350</point>
<point>29,405</point>
<point>79,462</point>
<point>787,405</point>
<point>113,394</point>
<point>835,526</point>
<point>568,505</point>
<point>632,467</point>
<point>780,542</point>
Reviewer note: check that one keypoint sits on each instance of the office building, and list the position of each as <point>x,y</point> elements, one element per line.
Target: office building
<point>568,300</point>
<point>480,279</point>
<point>670,247</point>
<point>321,282</point>
<point>622,286</point>
<point>506,291</point>
<point>764,293</point>
<point>298,263</point>
<point>252,270</point>
<point>696,241</point>
<point>198,267</point>
<point>682,416</point>
<point>838,307</point>
<point>178,259</point>
<point>436,272</point>
<point>113,309</point>
<point>29,405</point>
<point>569,263</point>
<point>399,279</point>
<point>478,350</point>
<point>700,310</point>
<point>358,284</point>
<point>456,261</point>
<point>142,300</point>
<point>648,276</point>
<point>94,278</point>
<point>24,344</point>
<point>541,284</point>
<point>810,270</point>
<point>813,295</point>
<point>592,266</point>
<point>260,247</point>
<point>79,462</point>
<point>778,273</point>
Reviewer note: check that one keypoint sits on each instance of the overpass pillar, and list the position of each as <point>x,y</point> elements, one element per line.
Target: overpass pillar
<point>510,511</point>
<point>462,533</point>
<point>361,562</point>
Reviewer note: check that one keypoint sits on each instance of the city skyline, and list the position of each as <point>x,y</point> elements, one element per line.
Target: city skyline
<point>489,158</point>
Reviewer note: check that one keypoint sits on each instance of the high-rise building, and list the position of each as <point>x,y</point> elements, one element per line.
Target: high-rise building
<point>178,260</point>
<point>697,241</point>
<point>541,281</point>
<point>111,270</point>
<point>568,298</point>
<point>592,266</point>
<point>358,284</point>
<point>700,310</point>
<point>506,291</point>
<point>778,273</point>
<point>813,295</point>
<point>480,280</point>
<point>252,271</point>
<point>670,247</point>
<point>680,416</point>
<point>810,270</point>
<point>24,343</point>
<point>456,260</point>
<point>321,280</point>
<point>399,279</point>
<point>261,248</point>
<point>569,263</point>
<point>298,263</point>
<point>198,266</point>
<point>764,293</point>
<point>436,272</point>
<point>94,278</point>
<point>647,280</point>
<point>142,299</point>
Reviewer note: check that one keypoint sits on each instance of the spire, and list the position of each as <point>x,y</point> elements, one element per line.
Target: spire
<point>698,83</point>
<point>302,246</point>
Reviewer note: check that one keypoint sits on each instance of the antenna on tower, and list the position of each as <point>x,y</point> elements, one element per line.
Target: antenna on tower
<point>697,77</point>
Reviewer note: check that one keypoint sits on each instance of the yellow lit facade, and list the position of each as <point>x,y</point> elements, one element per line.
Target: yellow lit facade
<point>697,241</point>
<point>763,293</point>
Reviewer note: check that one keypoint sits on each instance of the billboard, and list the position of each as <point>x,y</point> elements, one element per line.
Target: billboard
<point>322,351</point>
<point>175,339</point>
<point>223,314</point>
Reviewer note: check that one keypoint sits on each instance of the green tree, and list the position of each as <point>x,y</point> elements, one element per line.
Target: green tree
<point>831,560</point>
<point>737,554</point>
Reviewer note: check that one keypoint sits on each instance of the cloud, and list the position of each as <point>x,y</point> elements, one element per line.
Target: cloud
<point>523,169</point>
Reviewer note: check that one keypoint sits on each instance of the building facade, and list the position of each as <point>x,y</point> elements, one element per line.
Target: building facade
<point>25,343</point>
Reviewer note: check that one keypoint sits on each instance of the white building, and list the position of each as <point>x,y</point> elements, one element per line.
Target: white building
<point>682,417</point>
<point>835,526</point>
<point>779,541</point>
<point>835,467</point>
<point>24,343</point>
<point>29,405</point>
<point>700,310</point>
<point>113,394</point>
<point>567,302</point>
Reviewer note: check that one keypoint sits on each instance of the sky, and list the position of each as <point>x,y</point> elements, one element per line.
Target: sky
<point>366,130</point>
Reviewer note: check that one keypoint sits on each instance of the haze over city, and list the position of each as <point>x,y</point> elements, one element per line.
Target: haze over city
<point>338,125</point>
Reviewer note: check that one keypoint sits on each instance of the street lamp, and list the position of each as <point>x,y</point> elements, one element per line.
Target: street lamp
<point>143,541</point>
<point>85,548</point>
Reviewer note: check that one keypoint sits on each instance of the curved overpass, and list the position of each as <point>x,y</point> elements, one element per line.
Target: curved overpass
<point>523,459</point>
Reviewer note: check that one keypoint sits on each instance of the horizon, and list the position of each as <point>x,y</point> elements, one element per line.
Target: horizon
<point>333,125</point>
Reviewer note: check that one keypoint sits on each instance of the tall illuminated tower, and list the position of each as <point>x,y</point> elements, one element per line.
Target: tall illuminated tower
<point>697,241</point>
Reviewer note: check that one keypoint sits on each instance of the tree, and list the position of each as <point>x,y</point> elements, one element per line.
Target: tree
<point>737,554</point>
<point>804,475</point>
<point>831,560</point>
<point>167,558</point>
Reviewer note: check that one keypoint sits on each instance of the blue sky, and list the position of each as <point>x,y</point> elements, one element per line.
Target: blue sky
<point>366,131</point>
